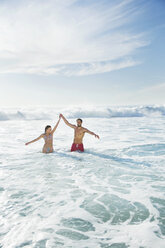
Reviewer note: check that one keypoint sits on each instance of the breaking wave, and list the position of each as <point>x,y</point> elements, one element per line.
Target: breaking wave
<point>46,113</point>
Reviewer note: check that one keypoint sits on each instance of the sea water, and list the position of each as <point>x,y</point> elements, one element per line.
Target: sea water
<point>110,196</point>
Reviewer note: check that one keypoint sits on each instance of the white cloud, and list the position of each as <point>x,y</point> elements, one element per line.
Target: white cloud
<point>66,37</point>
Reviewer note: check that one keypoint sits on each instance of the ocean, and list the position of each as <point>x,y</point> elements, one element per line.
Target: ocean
<point>110,196</point>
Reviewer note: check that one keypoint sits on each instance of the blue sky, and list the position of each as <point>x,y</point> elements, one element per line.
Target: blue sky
<point>82,52</point>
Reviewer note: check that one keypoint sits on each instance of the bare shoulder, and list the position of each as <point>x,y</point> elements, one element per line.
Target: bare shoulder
<point>84,129</point>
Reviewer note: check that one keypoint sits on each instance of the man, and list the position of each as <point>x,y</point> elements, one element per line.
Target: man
<point>79,132</point>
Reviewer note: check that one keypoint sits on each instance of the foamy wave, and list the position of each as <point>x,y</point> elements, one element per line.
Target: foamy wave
<point>78,112</point>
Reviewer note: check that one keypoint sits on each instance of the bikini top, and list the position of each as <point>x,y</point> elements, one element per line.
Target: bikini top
<point>49,137</point>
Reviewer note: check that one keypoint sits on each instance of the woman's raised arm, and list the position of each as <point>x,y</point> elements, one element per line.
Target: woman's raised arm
<point>55,127</point>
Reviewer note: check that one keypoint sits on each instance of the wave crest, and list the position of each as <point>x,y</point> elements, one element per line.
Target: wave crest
<point>46,113</point>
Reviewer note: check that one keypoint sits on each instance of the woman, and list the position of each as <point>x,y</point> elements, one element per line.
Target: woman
<point>48,137</point>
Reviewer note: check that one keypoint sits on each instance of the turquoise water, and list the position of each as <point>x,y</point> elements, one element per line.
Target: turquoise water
<point>110,196</point>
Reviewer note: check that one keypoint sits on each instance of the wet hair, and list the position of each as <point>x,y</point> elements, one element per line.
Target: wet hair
<point>46,128</point>
<point>79,120</point>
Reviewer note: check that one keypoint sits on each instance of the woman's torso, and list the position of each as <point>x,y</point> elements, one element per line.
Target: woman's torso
<point>48,146</point>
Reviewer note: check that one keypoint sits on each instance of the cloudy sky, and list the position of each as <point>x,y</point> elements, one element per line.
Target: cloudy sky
<point>88,52</point>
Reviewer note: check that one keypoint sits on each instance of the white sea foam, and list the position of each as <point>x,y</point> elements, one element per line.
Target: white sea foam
<point>110,196</point>
<point>87,112</point>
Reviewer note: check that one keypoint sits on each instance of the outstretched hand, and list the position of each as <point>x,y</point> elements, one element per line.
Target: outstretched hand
<point>96,136</point>
<point>26,143</point>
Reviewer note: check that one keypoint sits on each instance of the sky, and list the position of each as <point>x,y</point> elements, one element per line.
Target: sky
<point>90,52</point>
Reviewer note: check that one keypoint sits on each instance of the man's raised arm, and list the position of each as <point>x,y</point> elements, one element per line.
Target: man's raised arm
<point>66,122</point>
<point>92,133</point>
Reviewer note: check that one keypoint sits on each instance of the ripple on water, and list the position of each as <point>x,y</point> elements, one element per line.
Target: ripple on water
<point>122,210</point>
<point>48,230</point>
<point>41,244</point>
<point>18,195</point>
<point>78,224</point>
<point>1,189</point>
<point>75,194</point>
<point>26,210</point>
<point>115,245</point>
<point>159,204</point>
<point>96,209</point>
<point>72,234</point>
<point>146,150</point>
<point>24,244</point>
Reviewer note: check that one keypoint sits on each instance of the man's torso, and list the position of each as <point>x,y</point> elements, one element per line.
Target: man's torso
<point>78,135</point>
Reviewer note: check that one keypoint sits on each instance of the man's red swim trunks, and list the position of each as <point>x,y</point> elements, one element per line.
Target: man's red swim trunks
<point>77,147</point>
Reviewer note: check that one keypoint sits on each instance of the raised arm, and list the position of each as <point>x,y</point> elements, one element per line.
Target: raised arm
<point>92,133</point>
<point>41,136</point>
<point>66,122</point>
<point>55,127</point>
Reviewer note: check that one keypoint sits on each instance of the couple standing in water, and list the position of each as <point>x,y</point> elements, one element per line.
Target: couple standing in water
<point>79,132</point>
